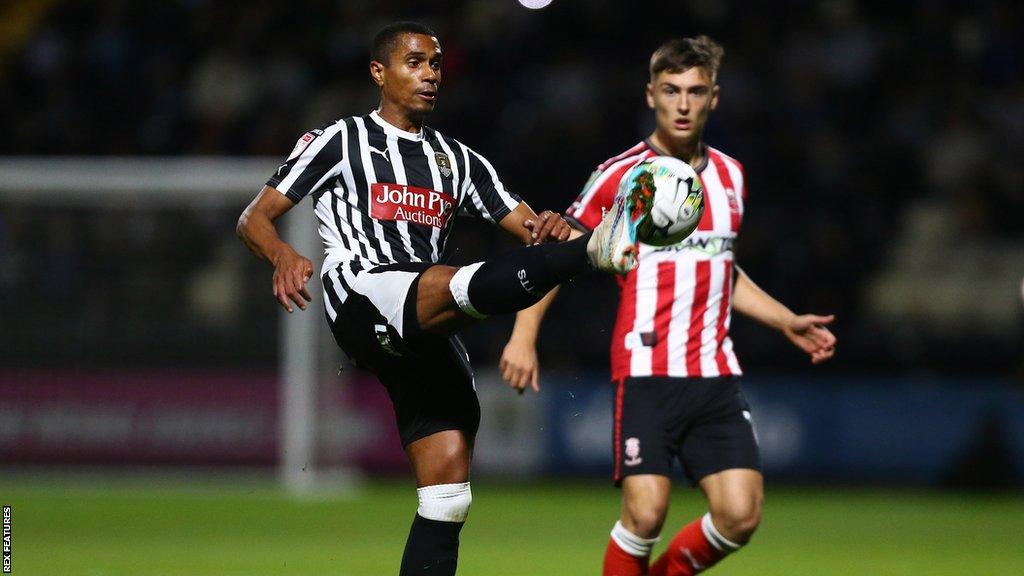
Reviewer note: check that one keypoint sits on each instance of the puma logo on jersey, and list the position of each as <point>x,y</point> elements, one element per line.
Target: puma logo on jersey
<point>382,153</point>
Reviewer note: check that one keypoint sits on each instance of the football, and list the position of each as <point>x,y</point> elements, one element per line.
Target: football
<point>675,197</point>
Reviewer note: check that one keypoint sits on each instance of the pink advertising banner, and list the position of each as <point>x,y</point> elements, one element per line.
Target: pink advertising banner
<point>183,417</point>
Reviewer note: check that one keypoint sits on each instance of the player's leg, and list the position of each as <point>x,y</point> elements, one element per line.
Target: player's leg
<point>735,499</point>
<point>450,298</point>
<point>645,426</point>
<point>645,499</point>
<point>720,452</point>
<point>430,383</point>
<point>441,465</point>
<point>438,414</point>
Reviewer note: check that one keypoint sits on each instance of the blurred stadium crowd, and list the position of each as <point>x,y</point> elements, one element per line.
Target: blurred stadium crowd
<point>847,115</point>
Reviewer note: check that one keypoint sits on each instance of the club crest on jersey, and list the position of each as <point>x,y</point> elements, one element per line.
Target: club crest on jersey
<point>444,164</point>
<point>400,202</point>
<point>632,452</point>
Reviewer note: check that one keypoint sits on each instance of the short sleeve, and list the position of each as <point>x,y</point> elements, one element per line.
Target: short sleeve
<point>597,195</point>
<point>743,181</point>
<point>315,159</point>
<point>486,195</point>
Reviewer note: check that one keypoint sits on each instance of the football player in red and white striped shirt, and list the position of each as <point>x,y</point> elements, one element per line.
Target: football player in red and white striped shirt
<point>674,370</point>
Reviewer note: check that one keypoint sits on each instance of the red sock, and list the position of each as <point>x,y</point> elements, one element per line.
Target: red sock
<point>696,547</point>
<point>627,554</point>
<point>618,562</point>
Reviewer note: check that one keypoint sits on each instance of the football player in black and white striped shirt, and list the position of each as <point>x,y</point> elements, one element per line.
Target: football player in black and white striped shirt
<point>387,189</point>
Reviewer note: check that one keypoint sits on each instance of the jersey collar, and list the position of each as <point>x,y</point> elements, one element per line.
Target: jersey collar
<point>698,169</point>
<point>393,130</point>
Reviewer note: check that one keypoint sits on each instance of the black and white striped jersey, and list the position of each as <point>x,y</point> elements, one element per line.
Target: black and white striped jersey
<point>384,195</point>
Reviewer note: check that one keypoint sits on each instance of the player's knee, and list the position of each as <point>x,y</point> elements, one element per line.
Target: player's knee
<point>458,284</point>
<point>645,520</point>
<point>453,456</point>
<point>738,521</point>
<point>445,502</point>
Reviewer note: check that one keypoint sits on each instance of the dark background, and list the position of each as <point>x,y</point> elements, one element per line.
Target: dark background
<point>882,144</point>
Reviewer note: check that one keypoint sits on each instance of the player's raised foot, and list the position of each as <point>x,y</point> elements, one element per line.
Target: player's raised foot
<point>614,245</point>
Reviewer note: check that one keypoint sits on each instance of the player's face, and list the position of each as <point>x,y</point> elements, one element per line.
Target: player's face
<point>681,102</point>
<point>411,76</point>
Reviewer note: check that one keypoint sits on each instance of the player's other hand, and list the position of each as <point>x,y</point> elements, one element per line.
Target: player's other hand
<point>548,227</point>
<point>291,272</point>
<point>519,366</point>
<point>809,333</point>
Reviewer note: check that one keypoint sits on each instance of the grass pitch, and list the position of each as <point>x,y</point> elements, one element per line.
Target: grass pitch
<point>134,528</point>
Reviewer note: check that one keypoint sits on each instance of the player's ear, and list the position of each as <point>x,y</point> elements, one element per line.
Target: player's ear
<point>714,97</point>
<point>649,95</point>
<point>377,72</point>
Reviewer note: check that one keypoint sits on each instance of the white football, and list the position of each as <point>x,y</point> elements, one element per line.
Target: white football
<point>676,197</point>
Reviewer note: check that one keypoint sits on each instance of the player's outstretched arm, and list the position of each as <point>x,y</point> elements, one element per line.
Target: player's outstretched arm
<point>519,365</point>
<point>256,229</point>
<point>806,331</point>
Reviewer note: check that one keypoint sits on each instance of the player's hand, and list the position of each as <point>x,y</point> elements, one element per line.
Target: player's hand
<point>291,272</point>
<point>809,333</point>
<point>519,366</point>
<point>548,227</point>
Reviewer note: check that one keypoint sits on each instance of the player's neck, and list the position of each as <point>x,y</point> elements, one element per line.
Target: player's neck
<point>399,118</point>
<point>691,152</point>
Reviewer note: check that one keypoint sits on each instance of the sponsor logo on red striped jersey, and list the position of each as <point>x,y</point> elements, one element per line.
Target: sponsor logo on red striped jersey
<point>707,245</point>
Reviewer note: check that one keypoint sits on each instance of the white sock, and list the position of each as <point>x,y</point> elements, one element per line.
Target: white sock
<point>721,543</point>
<point>459,287</point>
<point>631,543</point>
<point>445,502</point>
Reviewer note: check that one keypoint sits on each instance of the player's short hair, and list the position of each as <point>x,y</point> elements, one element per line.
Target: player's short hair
<point>681,54</point>
<point>386,39</point>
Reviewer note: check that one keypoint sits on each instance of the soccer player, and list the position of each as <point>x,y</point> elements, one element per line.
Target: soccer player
<point>386,189</point>
<point>675,374</point>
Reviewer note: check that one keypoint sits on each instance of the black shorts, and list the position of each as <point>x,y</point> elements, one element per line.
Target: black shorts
<point>702,422</point>
<point>372,314</point>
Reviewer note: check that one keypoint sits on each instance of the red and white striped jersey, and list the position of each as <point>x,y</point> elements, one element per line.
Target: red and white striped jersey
<point>676,306</point>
